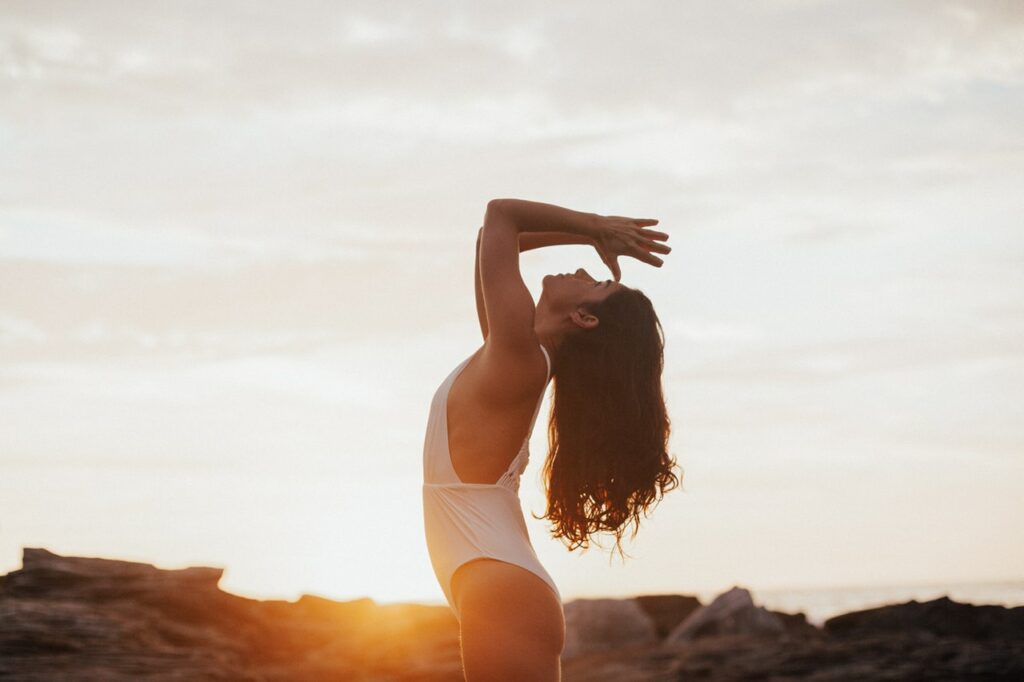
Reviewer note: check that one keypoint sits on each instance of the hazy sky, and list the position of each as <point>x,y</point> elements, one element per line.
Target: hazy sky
<point>236,260</point>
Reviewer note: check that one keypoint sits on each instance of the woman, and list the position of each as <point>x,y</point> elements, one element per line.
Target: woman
<point>608,430</point>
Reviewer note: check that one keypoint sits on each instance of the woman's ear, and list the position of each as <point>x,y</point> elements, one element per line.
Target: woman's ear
<point>583,319</point>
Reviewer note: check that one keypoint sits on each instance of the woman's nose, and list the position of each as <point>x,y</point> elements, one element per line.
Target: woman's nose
<point>583,273</point>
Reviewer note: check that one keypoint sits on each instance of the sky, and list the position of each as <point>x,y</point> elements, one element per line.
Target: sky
<point>236,261</point>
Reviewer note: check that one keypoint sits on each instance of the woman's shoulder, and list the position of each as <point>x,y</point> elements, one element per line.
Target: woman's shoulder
<point>505,374</point>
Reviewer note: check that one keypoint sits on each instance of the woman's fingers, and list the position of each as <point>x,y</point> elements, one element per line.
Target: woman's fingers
<point>642,254</point>
<point>610,259</point>
<point>652,234</point>
<point>652,259</point>
<point>629,237</point>
<point>649,259</point>
<point>613,265</point>
<point>656,246</point>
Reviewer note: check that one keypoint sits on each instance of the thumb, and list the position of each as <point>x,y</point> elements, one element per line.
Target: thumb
<point>611,260</point>
<point>613,265</point>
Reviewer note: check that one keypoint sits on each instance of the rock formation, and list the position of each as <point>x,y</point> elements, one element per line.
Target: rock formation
<point>941,617</point>
<point>601,624</point>
<point>667,610</point>
<point>82,619</point>
<point>731,613</point>
<point>100,619</point>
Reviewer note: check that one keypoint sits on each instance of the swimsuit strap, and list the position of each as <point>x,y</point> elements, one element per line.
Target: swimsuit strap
<point>547,358</point>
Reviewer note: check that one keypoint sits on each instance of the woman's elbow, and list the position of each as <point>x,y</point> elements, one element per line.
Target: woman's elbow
<point>497,214</point>
<point>499,205</point>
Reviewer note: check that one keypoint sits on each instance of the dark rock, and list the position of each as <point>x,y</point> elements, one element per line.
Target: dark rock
<point>732,612</point>
<point>940,616</point>
<point>668,610</point>
<point>816,657</point>
<point>75,618</point>
<point>600,624</point>
<point>795,623</point>
<point>45,574</point>
<point>89,618</point>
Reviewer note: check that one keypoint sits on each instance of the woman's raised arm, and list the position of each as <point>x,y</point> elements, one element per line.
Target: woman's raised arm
<point>527,242</point>
<point>507,303</point>
<point>537,240</point>
<point>611,236</point>
<point>507,306</point>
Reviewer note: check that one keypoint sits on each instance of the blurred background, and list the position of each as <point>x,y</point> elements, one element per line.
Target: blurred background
<point>236,260</point>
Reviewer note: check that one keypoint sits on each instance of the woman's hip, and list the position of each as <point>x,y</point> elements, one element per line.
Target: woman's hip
<point>499,598</point>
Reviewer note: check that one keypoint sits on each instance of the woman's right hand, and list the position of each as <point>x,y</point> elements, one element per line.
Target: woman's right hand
<point>615,236</point>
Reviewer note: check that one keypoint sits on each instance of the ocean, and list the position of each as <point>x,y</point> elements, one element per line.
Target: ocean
<point>819,604</point>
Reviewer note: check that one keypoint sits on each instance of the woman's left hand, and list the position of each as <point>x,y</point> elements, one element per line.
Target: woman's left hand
<point>616,236</point>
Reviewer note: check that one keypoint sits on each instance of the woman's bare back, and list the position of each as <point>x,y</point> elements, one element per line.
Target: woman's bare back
<point>483,439</point>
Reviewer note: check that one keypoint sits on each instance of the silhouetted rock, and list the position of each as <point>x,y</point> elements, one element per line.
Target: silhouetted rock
<point>911,656</point>
<point>601,624</point>
<point>794,623</point>
<point>667,610</point>
<point>731,613</point>
<point>45,574</point>
<point>940,616</point>
<point>79,618</point>
<point>106,619</point>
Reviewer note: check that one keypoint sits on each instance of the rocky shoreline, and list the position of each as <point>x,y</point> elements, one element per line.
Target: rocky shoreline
<point>82,618</point>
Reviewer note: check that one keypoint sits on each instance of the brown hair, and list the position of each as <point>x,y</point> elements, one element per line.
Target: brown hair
<point>608,428</point>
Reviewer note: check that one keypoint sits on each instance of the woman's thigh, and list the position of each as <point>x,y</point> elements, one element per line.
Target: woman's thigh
<point>512,625</point>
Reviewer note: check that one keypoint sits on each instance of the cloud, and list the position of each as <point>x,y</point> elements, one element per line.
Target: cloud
<point>94,312</point>
<point>18,330</point>
<point>851,358</point>
<point>245,124</point>
<point>248,227</point>
<point>712,332</point>
<point>665,56</point>
<point>63,236</point>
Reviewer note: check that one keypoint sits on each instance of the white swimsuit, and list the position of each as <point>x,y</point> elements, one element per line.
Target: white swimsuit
<point>466,521</point>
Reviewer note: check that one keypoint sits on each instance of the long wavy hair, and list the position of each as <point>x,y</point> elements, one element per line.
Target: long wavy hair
<point>608,429</point>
